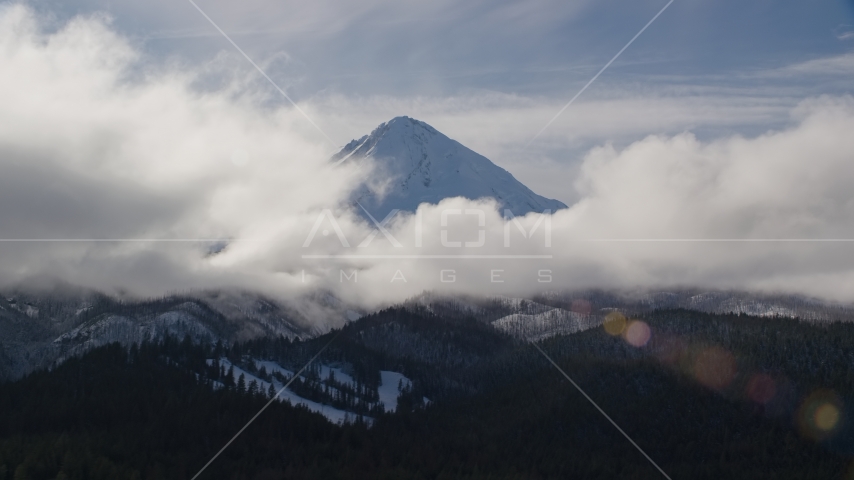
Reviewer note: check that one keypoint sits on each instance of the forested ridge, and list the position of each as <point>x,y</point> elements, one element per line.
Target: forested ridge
<point>707,396</point>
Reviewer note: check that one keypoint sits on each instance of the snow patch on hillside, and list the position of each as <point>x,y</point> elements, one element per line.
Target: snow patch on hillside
<point>389,389</point>
<point>332,414</point>
<point>538,326</point>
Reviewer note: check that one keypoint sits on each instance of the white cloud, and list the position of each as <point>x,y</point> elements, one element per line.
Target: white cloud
<point>95,143</point>
<point>784,185</point>
<point>91,148</point>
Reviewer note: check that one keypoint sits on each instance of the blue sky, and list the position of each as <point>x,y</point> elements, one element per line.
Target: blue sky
<point>534,48</point>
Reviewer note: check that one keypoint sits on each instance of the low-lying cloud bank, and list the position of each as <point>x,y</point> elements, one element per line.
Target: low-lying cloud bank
<point>96,144</point>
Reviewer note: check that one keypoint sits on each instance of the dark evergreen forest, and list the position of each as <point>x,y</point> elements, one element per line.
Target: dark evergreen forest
<point>707,396</point>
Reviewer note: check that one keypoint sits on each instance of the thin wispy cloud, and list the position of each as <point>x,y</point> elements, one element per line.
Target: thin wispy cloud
<point>844,32</point>
<point>834,65</point>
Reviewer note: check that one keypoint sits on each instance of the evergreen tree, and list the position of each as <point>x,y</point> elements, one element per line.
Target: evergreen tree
<point>253,388</point>
<point>241,383</point>
<point>229,378</point>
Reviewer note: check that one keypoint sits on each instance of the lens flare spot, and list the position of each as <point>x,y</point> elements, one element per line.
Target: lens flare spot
<point>826,417</point>
<point>582,307</point>
<point>715,368</point>
<point>820,414</point>
<point>761,388</point>
<point>615,323</point>
<point>637,333</point>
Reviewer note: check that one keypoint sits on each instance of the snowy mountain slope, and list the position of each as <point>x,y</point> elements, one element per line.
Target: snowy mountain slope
<point>759,305</point>
<point>538,326</point>
<point>38,329</point>
<point>559,313</point>
<point>257,316</point>
<point>418,164</point>
<point>125,330</point>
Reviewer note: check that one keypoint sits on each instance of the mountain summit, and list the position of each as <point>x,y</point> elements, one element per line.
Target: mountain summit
<point>421,165</point>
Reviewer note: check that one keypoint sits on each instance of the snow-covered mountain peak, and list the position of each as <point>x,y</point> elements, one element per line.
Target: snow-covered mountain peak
<point>418,164</point>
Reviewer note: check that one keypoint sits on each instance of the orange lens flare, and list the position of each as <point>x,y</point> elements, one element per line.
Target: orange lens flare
<point>826,417</point>
<point>820,414</point>
<point>615,323</point>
